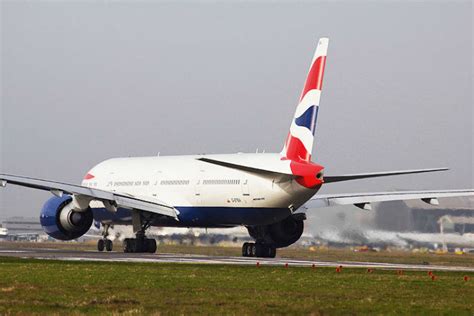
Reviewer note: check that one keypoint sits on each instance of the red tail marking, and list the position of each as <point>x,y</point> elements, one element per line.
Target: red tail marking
<point>315,76</point>
<point>295,150</point>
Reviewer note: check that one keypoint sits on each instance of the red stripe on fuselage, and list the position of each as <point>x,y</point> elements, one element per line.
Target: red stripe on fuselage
<point>89,176</point>
<point>315,76</point>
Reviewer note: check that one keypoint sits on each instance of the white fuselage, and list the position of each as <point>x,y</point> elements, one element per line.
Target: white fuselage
<point>190,184</point>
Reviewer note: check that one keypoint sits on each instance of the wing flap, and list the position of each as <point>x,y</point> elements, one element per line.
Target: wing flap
<point>121,200</point>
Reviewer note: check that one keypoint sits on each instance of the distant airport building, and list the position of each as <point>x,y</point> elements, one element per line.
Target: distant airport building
<point>23,227</point>
<point>3,232</point>
<point>417,216</point>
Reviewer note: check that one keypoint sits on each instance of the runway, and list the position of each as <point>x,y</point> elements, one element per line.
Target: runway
<point>69,255</point>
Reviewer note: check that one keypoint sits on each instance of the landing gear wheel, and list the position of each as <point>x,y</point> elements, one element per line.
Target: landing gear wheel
<point>244,249</point>
<point>127,245</point>
<point>253,250</point>
<point>272,252</point>
<point>258,250</point>
<point>108,245</point>
<point>150,245</point>
<point>248,249</point>
<point>100,245</point>
<point>267,251</point>
<point>135,245</point>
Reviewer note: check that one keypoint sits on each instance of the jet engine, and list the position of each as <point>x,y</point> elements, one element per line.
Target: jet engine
<point>61,221</point>
<point>281,234</point>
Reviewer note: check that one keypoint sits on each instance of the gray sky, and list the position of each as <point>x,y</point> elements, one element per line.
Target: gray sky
<point>85,81</point>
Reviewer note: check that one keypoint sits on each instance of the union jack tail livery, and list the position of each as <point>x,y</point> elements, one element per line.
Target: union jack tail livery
<point>299,144</point>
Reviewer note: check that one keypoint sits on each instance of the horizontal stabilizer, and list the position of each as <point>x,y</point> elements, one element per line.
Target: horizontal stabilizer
<point>348,177</point>
<point>363,200</point>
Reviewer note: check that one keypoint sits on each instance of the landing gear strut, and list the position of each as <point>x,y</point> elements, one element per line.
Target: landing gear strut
<point>250,249</point>
<point>105,243</point>
<point>140,243</point>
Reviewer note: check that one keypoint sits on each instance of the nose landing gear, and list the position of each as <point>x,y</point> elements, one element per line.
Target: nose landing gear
<point>104,243</point>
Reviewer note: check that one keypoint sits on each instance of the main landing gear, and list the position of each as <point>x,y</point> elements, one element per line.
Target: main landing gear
<point>104,243</point>
<point>250,249</point>
<point>140,243</point>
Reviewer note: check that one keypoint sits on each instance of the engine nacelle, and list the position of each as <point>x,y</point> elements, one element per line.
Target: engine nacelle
<point>281,234</point>
<point>286,232</point>
<point>61,221</point>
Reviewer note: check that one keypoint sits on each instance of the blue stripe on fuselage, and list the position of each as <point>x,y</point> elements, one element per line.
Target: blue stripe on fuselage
<point>204,216</point>
<point>192,216</point>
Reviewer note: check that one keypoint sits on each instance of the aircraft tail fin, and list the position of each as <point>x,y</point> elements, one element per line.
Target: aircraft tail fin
<point>299,143</point>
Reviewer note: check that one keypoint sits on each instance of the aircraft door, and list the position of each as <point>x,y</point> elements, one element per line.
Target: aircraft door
<point>197,192</point>
<point>245,187</point>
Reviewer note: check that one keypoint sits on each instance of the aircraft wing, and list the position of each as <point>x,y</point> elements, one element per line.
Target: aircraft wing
<point>364,200</point>
<point>121,200</point>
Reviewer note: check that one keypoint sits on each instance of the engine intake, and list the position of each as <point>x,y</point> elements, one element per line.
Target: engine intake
<point>61,221</point>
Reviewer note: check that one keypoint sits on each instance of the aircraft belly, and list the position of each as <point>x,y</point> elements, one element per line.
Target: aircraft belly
<point>203,216</point>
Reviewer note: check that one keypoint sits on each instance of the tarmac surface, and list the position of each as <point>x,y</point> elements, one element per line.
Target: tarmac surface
<point>73,255</point>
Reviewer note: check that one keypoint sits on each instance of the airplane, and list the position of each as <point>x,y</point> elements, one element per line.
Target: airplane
<point>264,192</point>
